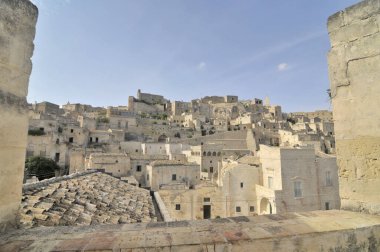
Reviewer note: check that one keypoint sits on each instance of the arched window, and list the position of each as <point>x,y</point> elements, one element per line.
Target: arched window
<point>214,153</point>
<point>204,153</point>
<point>209,153</point>
<point>219,154</point>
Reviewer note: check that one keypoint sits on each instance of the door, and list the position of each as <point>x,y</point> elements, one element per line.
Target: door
<point>206,212</point>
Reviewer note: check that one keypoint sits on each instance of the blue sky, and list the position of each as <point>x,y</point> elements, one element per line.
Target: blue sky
<point>99,52</point>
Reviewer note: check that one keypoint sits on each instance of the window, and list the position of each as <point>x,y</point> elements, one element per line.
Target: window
<point>147,177</point>
<point>174,177</point>
<point>72,131</point>
<point>137,151</point>
<point>328,179</point>
<point>211,169</point>
<point>57,141</point>
<point>71,139</point>
<point>96,140</point>
<point>241,184</point>
<point>177,207</point>
<point>238,209</point>
<point>138,168</point>
<point>297,189</point>
<point>210,161</point>
<point>116,161</point>
<point>206,199</point>
<point>270,182</point>
<point>56,158</point>
<point>251,208</point>
<point>42,129</point>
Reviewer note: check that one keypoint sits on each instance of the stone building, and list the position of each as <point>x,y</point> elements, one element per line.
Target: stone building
<point>171,173</point>
<point>351,31</point>
<point>299,180</point>
<point>46,108</point>
<point>119,165</point>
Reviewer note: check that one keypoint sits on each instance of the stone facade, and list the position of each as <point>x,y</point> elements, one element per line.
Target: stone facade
<point>17,29</point>
<point>300,180</point>
<point>354,63</point>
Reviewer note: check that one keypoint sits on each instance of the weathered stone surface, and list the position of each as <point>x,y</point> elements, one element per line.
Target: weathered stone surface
<point>67,203</point>
<point>308,231</point>
<point>354,63</point>
<point>17,29</point>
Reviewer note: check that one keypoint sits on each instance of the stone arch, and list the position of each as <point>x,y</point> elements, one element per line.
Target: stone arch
<point>162,138</point>
<point>265,206</point>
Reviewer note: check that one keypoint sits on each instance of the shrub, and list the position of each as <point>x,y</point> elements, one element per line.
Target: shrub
<point>102,119</point>
<point>36,132</point>
<point>40,167</point>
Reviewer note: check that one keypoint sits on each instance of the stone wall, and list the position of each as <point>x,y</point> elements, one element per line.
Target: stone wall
<point>354,64</point>
<point>17,29</point>
<point>312,231</point>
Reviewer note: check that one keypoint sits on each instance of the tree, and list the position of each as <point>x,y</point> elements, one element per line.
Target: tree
<point>41,167</point>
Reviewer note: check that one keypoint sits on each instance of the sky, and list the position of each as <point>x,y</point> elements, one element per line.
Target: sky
<point>99,52</point>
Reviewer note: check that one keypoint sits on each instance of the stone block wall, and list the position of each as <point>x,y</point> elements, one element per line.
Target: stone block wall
<point>354,69</point>
<point>17,29</point>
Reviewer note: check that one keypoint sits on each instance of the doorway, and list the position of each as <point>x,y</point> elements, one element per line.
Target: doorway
<point>206,212</point>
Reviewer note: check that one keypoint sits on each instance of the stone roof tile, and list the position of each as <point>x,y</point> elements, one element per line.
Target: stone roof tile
<point>91,198</point>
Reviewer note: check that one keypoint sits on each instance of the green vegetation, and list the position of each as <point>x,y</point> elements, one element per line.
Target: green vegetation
<point>36,132</point>
<point>102,119</point>
<point>291,120</point>
<point>40,167</point>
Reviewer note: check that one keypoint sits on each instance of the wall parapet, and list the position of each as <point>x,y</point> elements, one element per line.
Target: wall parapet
<point>308,231</point>
<point>161,206</point>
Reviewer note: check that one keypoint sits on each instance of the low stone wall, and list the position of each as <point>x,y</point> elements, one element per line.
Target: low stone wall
<point>161,206</point>
<point>46,182</point>
<point>309,231</point>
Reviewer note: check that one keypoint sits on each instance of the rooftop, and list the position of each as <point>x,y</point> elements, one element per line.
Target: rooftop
<point>171,163</point>
<point>84,199</point>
